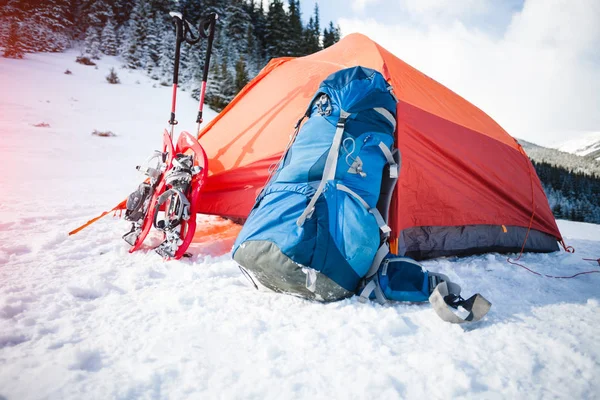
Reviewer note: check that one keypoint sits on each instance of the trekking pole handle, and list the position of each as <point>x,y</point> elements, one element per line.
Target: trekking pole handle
<point>179,38</point>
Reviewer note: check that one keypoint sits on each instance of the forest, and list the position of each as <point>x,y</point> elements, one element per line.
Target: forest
<point>248,34</point>
<point>572,195</point>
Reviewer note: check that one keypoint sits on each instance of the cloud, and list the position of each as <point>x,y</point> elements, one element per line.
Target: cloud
<point>360,5</point>
<point>539,77</point>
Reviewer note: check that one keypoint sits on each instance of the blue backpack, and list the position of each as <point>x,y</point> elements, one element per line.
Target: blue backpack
<point>315,228</point>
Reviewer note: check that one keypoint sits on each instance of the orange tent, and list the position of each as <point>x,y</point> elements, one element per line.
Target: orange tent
<point>465,186</point>
<point>461,173</point>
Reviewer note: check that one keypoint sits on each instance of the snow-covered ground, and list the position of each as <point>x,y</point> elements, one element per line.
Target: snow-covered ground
<point>80,318</point>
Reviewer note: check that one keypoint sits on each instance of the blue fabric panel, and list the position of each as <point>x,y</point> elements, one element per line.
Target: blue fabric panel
<point>404,281</point>
<point>353,229</point>
<point>275,220</point>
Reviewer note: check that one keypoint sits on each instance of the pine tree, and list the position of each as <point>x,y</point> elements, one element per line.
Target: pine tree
<point>95,13</point>
<point>317,25</point>
<point>152,48</point>
<point>255,60</point>
<point>241,75</point>
<point>13,47</point>
<point>50,19</point>
<point>236,29</point>
<point>331,35</point>
<point>109,39</point>
<point>92,43</point>
<point>259,22</point>
<point>294,39</point>
<point>122,10</point>
<point>135,40</point>
<point>310,43</point>
<point>167,56</point>
<point>212,86</point>
<point>276,32</point>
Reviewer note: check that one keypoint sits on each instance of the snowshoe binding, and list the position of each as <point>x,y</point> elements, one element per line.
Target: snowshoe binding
<point>176,205</point>
<point>138,202</point>
<point>143,201</point>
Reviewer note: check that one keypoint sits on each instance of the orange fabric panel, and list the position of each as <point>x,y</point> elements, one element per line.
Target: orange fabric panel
<point>416,88</point>
<point>261,118</point>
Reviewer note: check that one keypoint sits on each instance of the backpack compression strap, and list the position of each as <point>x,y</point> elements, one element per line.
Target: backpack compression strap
<point>330,167</point>
<point>374,211</point>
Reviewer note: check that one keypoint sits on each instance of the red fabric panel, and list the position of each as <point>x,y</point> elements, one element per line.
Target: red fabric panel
<point>232,193</point>
<point>452,176</point>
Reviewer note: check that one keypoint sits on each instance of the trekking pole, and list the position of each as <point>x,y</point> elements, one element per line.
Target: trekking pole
<point>179,37</point>
<point>207,31</point>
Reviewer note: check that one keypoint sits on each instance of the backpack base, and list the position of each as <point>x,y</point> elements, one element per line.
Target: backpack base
<point>279,273</point>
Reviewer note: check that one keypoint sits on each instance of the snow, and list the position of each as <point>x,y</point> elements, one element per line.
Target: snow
<point>80,317</point>
<point>582,144</point>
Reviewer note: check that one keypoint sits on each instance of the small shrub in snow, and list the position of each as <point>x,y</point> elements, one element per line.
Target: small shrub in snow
<point>113,77</point>
<point>68,72</point>
<point>84,60</point>
<point>103,133</point>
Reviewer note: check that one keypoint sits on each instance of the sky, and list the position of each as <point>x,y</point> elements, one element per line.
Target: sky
<point>533,65</point>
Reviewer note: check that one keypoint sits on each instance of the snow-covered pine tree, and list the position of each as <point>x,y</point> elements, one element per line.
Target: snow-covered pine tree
<point>294,37</point>
<point>276,30</point>
<point>122,10</point>
<point>228,89</point>
<point>155,31</point>
<point>109,39</point>
<point>167,56</point>
<point>52,25</point>
<point>241,75</point>
<point>13,47</point>
<point>255,61</point>
<point>134,43</point>
<point>212,86</point>
<point>94,13</point>
<point>92,43</point>
<point>238,21</point>
<point>258,21</point>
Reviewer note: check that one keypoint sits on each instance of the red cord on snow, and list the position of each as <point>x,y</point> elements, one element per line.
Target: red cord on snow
<point>568,249</point>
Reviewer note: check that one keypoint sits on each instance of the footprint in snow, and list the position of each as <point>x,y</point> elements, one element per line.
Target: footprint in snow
<point>12,340</point>
<point>9,311</point>
<point>85,293</point>
<point>90,361</point>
